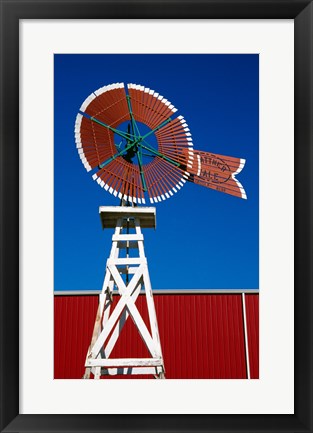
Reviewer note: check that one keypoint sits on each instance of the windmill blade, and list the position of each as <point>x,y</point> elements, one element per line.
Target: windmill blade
<point>167,173</point>
<point>217,172</point>
<point>94,141</point>
<point>148,106</point>
<point>164,175</point>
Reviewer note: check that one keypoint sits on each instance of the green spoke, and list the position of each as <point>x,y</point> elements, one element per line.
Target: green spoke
<point>177,164</point>
<point>142,138</point>
<point>147,144</point>
<point>103,164</point>
<point>157,128</point>
<point>132,118</point>
<point>116,131</point>
<point>142,176</point>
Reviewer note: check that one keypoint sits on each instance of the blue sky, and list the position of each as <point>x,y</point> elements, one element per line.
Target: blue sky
<point>204,239</point>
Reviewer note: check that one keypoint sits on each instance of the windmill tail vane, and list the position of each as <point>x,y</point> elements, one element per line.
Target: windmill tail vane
<point>217,172</point>
<point>129,163</point>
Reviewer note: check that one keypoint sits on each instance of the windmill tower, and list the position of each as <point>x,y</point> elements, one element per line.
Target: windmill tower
<point>152,153</point>
<point>129,275</point>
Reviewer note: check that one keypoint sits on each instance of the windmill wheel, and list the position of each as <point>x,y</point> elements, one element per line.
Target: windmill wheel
<point>133,143</point>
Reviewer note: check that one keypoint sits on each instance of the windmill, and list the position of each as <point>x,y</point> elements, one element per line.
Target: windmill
<point>136,146</point>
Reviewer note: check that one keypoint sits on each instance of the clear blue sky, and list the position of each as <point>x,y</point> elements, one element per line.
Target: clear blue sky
<point>204,238</point>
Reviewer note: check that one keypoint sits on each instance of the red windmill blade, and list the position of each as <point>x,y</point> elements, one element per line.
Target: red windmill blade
<point>128,164</point>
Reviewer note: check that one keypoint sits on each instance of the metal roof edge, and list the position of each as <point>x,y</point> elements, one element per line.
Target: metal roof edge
<point>162,292</point>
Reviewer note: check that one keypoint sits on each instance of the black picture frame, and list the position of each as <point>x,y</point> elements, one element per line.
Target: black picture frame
<point>11,13</point>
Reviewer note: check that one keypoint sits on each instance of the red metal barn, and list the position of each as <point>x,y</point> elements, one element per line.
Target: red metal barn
<point>204,334</point>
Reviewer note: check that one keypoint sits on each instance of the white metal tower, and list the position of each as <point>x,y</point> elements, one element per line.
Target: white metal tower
<point>127,275</point>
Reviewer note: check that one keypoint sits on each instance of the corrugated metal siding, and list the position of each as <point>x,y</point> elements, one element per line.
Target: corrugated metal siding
<point>252,313</point>
<point>201,335</point>
<point>74,318</point>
